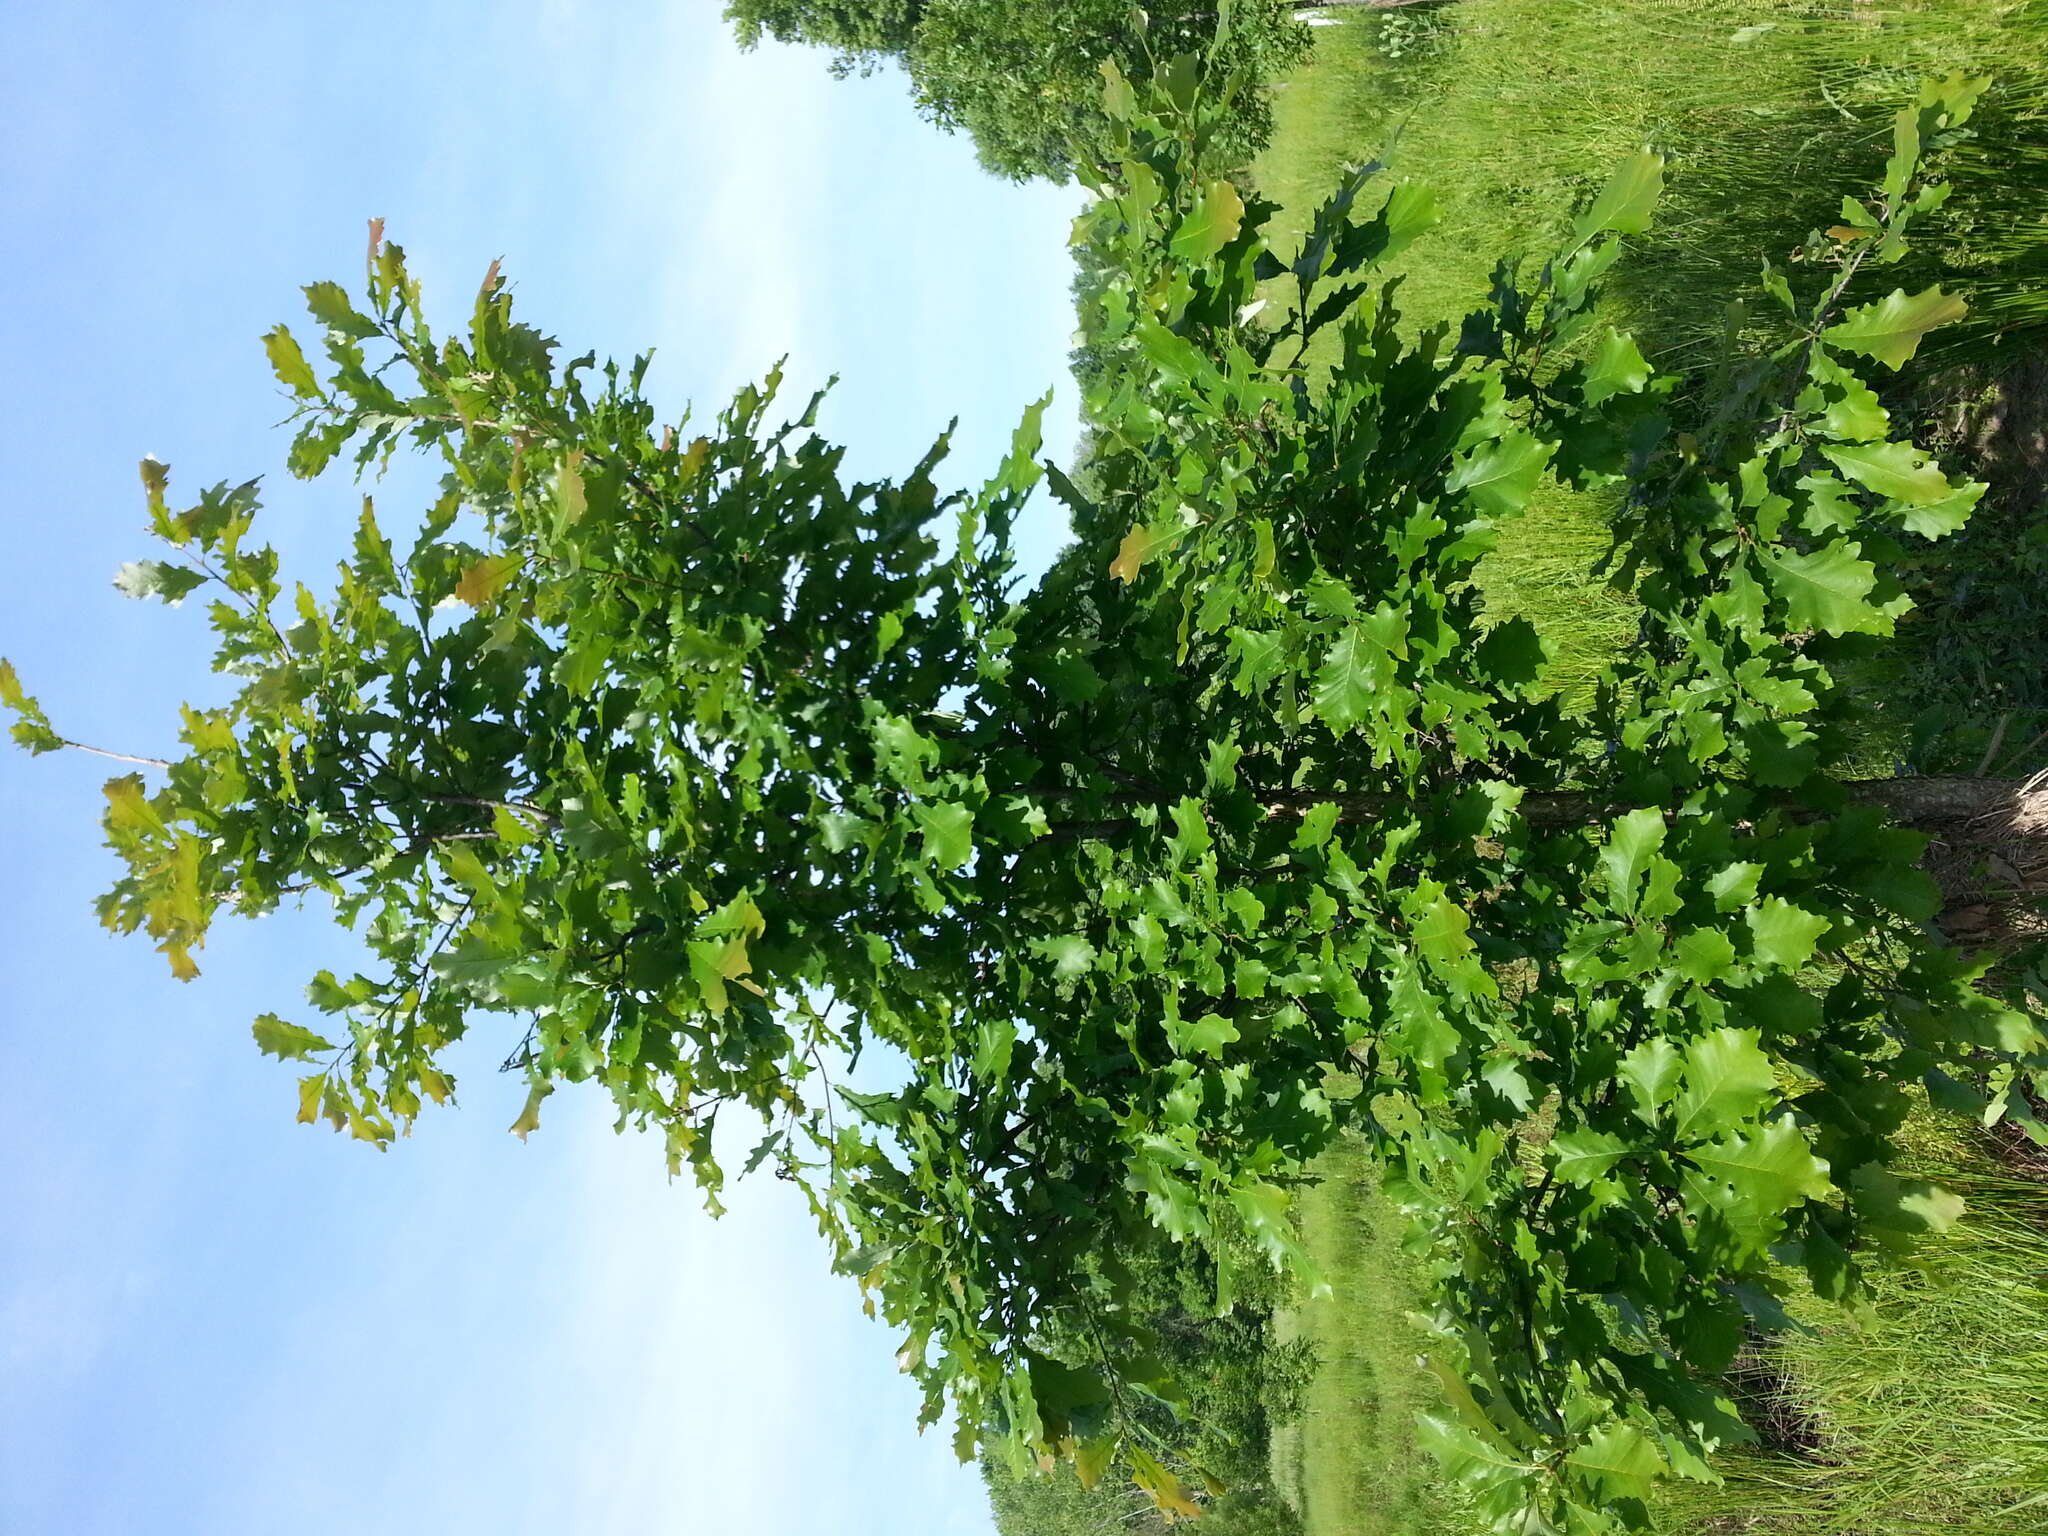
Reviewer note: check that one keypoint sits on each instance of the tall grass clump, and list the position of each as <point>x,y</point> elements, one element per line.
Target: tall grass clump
<point>1930,1414</point>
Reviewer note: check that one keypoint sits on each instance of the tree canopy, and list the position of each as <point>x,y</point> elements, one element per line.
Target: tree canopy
<point>693,768</point>
<point>853,29</point>
<point>1021,77</point>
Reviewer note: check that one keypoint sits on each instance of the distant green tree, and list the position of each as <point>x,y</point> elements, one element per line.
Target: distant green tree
<point>1228,1383</point>
<point>1023,77</point>
<point>857,30</point>
<point>1060,1504</point>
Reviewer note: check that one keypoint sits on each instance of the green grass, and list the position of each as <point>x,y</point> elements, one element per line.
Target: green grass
<point>1522,111</point>
<point>1350,1464</point>
<point>1931,1413</point>
<point>1515,119</point>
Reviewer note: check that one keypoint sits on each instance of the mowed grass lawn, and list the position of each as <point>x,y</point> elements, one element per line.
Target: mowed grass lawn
<point>1931,1412</point>
<point>1351,1463</point>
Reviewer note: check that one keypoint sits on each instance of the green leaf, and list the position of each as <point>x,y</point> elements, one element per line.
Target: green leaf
<point>1890,331</point>
<point>156,578</point>
<point>948,833</point>
<point>1618,1459</point>
<point>486,578</point>
<point>1903,1205</point>
<point>1513,655</point>
<point>1827,590</point>
<point>1142,544</point>
<point>904,755</point>
<point>843,830</point>
<point>1174,1204</point>
<point>1191,840</point>
<point>1204,1036</point>
<point>1425,1035</point>
<point>1347,680</point>
<point>1119,101</point>
<point>1704,955</point>
<point>1616,368</point>
<point>1735,886</point>
<point>1850,411</point>
<point>529,1116</point>
<point>1728,1080</point>
<point>1631,844</point>
<point>571,495</point>
<point>1651,1071</point>
<point>1775,285</point>
<point>290,365</point>
<point>1782,934</point>
<point>1626,203</point>
<point>315,447</point>
<point>465,868</point>
<point>1504,1075</point>
<point>1264,1210</point>
<point>1442,931</point>
<point>1752,1177</point>
<point>1941,518</point>
<point>993,1042</point>
<point>1897,471</point>
<point>1092,1457</point>
<point>286,1041</point>
<point>1071,955</point>
<point>31,729</point>
<point>1072,679</point>
<point>1409,212</point>
<point>1246,911</point>
<point>1499,477</point>
<point>1161,1485</point>
<point>473,963</point>
<point>1468,1457</point>
<point>329,304</point>
<point>1260,655</point>
<point>1580,1156</point>
<point>1211,224</point>
<point>1317,822</point>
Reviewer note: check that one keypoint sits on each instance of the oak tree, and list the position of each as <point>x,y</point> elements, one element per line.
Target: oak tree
<point>691,767</point>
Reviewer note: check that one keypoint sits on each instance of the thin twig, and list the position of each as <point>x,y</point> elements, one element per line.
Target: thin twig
<point>1997,741</point>
<point>119,757</point>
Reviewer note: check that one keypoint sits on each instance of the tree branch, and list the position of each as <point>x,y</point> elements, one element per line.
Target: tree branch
<point>119,757</point>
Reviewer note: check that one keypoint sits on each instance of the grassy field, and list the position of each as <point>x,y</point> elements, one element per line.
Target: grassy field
<point>1931,1413</point>
<point>1768,109</point>
<point>1350,1462</point>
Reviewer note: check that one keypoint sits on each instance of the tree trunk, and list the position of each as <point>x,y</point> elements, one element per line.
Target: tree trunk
<point>1365,5</point>
<point>1955,808</point>
<point>1987,849</point>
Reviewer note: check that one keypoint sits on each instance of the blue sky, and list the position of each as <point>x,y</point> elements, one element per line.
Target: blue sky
<point>212,1319</point>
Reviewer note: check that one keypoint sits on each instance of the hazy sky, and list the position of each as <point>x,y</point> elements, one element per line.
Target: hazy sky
<point>213,1320</point>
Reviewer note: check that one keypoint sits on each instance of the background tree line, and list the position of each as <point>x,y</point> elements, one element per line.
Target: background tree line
<point>1022,77</point>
